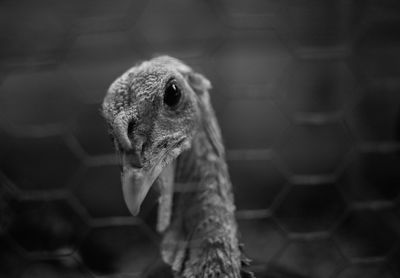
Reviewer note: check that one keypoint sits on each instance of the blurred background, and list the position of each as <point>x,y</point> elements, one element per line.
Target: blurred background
<point>307,94</point>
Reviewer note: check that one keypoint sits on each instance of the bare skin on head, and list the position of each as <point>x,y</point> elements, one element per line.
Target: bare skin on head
<point>164,130</point>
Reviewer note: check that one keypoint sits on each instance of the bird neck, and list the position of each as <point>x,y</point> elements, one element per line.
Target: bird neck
<point>202,238</point>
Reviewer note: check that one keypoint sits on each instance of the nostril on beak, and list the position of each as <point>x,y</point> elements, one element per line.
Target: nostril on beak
<point>131,142</point>
<point>135,154</point>
<point>130,129</point>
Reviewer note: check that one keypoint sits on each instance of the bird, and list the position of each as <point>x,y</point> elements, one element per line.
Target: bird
<point>165,132</point>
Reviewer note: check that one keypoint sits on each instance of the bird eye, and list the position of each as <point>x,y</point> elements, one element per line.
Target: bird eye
<point>172,94</point>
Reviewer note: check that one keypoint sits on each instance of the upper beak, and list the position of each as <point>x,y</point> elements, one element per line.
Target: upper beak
<point>139,173</point>
<point>136,178</point>
<point>135,185</point>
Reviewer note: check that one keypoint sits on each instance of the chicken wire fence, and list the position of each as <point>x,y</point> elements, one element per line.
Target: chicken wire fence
<point>307,94</point>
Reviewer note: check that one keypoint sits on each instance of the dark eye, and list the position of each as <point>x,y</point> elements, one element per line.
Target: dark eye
<point>172,94</point>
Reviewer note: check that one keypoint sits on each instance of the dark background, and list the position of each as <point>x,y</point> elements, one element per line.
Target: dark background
<point>307,93</point>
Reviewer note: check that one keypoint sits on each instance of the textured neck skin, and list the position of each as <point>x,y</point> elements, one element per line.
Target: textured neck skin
<point>202,239</point>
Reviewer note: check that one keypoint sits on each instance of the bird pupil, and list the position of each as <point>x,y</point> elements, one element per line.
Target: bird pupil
<point>172,95</point>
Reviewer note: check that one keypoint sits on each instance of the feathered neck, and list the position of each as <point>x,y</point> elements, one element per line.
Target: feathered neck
<point>202,239</point>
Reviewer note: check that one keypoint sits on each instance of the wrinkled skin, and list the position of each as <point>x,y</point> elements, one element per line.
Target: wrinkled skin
<point>162,144</point>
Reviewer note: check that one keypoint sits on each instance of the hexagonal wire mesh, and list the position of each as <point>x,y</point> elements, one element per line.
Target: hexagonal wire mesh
<point>306,93</point>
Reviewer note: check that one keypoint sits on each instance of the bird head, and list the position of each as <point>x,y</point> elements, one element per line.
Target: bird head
<point>153,111</point>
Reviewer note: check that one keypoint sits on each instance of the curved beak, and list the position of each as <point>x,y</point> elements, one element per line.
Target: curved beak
<point>136,183</point>
<point>136,178</point>
<point>135,186</point>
